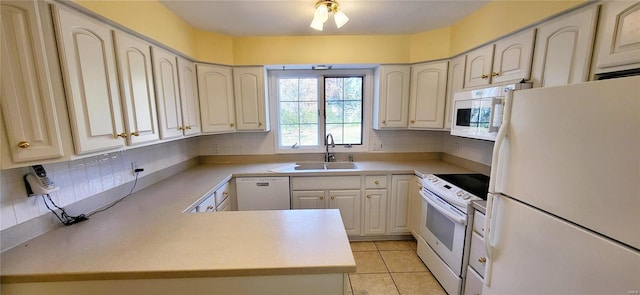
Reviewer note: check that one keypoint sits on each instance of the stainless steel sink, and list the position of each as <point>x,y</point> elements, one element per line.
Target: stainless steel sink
<point>325,165</point>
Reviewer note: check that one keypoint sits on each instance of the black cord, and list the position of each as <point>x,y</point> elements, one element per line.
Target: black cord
<point>137,171</point>
<point>64,218</point>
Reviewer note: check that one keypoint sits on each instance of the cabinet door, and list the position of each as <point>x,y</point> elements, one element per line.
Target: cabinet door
<point>307,200</point>
<point>512,57</point>
<point>251,112</point>
<point>165,72</point>
<point>473,283</point>
<point>618,36</point>
<point>391,106</point>
<point>415,206</point>
<point>348,201</point>
<point>478,67</point>
<point>398,221</point>
<point>215,86</point>
<point>375,212</point>
<point>563,49</point>
<point>189,102</point>
<point>427,95</point>
<point>31,82</point>
<point>89,69</point>
<point>455,82</point>
<point>136,81</point>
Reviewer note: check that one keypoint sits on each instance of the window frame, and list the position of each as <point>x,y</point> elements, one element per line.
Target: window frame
<point>367,99</point>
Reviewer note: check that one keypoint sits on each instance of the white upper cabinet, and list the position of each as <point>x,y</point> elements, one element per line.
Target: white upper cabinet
<point>138,96</point>
<point>391,97</point>
<point>165,72</point>
<point>478,68</point>
<point>427,95</point>
<point>217,110</point>
<point>618,41</point>
<point>508,59</point>
<point>563,48</point>
<point>89,69</point>
<point>31,94</point>
<point>250,100</point>
<point>189,101</point>
<point>455,82</point>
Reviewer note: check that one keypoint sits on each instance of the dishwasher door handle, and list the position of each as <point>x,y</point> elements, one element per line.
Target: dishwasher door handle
<point>262,184</point>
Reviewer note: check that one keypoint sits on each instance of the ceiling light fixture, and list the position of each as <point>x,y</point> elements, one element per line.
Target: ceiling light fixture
<point>323,8</point>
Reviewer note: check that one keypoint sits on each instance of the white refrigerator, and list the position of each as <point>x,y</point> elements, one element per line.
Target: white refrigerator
<point>563,214</point>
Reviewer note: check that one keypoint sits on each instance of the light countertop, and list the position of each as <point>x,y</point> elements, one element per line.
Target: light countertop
<point>148,236</point>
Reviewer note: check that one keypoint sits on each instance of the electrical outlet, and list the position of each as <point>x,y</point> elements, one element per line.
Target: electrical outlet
<point>376,146</point>
<point>215,148</point>
<point>134,166</point>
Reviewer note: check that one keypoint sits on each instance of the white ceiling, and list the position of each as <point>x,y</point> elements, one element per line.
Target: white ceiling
<point>292,17</point>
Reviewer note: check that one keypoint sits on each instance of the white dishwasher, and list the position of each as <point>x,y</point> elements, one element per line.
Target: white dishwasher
<point>263,193</point>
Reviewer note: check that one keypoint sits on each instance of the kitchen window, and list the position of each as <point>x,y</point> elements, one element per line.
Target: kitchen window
<point>311,104</point>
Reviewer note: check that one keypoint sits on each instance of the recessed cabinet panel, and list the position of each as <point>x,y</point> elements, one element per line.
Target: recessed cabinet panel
<point>512,57</point>
<point>248,86</point>
<point>563,49</point>
<point>215,86</point>
<point>165,70</point>
<point>307,200</point>
<point>398,220</point>
<point>375,212</point>
<point>29,88</point>
<point>88,61</point>
<point>618,36</point>
<point>348,202</point>
<point>138,96</point>
<point>189,103</point>
<point>427,96</point>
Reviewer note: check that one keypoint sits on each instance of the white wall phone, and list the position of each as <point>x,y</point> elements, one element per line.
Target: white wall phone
<point>37,182</point>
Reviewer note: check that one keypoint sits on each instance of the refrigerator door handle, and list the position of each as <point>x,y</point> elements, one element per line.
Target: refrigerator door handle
<point>489,230</point>
<point>500,137</point>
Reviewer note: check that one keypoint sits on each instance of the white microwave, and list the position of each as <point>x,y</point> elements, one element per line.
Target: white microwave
<point>477,113</point>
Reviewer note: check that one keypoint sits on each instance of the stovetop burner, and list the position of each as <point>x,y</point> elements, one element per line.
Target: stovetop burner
<point>474,183</point>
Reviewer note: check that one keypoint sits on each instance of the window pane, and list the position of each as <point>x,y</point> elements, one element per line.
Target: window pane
<point>353,111</point>
<point>289,113</point>
<point>289,135</point>
<point>343,109</point>
<point>353,133</point>
<point>308,112</point>
<point>308,89</point>
<point>309,135</point>
<point>335,111</point>
<point>288,89</point>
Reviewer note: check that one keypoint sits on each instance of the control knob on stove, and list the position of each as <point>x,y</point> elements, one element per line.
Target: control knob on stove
<point>466,196</point>
<point>460,193</point>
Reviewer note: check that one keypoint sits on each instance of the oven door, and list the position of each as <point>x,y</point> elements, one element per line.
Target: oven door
<point>443,227</point>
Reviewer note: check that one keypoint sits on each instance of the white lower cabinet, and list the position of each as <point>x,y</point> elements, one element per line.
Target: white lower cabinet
<point>399,216</point>
<point>330,192</point>
<point>415,204</point>
<point>375,212</point>
<point>473,283</point>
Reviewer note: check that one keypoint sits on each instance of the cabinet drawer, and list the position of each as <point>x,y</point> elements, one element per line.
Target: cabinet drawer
<point>224,206</point>
<point>478,223</point>
<point>325,182</point>
<point>473,284</point>
<point>208,205</point>
<point>375,181</point>
<point>222,193</point>
<point>477,255</point>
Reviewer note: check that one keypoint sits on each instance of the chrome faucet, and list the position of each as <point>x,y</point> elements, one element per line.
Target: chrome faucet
<point>329,157</point>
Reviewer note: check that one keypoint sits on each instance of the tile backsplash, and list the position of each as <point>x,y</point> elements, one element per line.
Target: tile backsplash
<point>86,177</point>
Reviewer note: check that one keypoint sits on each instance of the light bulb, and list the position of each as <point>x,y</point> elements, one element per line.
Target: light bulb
<point>340,18</point>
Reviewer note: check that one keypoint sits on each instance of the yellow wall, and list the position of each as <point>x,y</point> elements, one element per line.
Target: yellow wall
<point>501,17</point>
<point>154,20</point>
<point>431,45</point>
<point>320,49</point>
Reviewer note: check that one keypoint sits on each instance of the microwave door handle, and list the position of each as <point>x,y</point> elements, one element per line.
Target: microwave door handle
<point>494,102</point>
<point>445,212</point>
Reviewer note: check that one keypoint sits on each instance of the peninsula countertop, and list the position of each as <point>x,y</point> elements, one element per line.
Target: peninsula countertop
<point>148,236</point>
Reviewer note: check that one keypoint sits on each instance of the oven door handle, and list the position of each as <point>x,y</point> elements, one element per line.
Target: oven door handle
<point>444,211</point>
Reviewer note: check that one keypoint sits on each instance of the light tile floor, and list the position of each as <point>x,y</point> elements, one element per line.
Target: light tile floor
<point>390,268</point>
